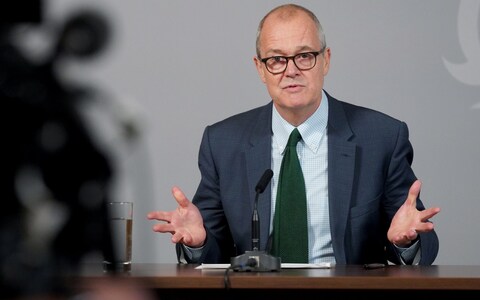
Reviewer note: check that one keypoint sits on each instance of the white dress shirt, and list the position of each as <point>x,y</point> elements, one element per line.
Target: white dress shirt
<point>313,156</point>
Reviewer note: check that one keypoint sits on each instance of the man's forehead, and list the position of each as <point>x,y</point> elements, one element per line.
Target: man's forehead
<point>287,37</point>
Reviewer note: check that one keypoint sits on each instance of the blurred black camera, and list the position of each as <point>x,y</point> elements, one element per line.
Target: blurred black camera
<point>55,181</point>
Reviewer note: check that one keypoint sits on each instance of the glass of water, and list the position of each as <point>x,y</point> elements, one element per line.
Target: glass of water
<point>120,218</point>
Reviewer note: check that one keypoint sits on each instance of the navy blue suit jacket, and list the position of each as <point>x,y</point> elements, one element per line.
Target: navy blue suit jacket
<point>369,175</point>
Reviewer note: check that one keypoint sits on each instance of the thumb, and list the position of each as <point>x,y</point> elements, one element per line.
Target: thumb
<point>414,192</point>
<point>180,197</point>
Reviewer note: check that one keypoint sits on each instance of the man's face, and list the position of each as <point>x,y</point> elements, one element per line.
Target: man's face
<point>296,94</point>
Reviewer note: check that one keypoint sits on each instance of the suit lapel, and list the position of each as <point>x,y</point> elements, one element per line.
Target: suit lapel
<point>341,168</point>
<point>258,158</point>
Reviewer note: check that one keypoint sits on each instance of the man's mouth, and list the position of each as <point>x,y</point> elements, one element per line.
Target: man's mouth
<point>293,87</point>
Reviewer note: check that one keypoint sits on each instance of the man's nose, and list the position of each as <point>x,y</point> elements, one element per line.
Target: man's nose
<point>291,69</point>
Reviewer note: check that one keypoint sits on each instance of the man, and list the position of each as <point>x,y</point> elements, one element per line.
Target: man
<point>362,195</point>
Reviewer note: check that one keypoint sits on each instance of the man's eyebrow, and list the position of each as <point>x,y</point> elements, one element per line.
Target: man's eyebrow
<point>279,52</point>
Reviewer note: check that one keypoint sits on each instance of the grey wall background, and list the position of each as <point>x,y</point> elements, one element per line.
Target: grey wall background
<point>174,67</point>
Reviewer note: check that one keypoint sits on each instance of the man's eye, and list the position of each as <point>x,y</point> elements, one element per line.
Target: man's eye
<point>278,59</point>
<point>304,55</point>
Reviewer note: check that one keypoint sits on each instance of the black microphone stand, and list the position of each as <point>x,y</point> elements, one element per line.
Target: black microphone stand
<point>256,260</point>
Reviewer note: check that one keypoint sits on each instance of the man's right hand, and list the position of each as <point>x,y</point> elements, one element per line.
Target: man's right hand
<point>185,223</point>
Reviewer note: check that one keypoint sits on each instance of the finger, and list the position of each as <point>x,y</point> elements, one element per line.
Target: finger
<point>166,227</point>
<point>153,215</point>
<point>429,213</point>
<point>425,227</point>
<point>400,240</point>
<point>180,237</point>
<point>411,234</point>
<point>413,193</point>
<point>160,215</point>
<point>180,197</point>
<point>406,238</point>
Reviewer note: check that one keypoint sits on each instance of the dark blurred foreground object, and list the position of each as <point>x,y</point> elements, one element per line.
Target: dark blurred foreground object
<point>21,11</point>
<point>55,182</point>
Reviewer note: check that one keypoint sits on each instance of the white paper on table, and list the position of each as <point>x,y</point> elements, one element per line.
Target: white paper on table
<point>307,266</point>
<point>283,266</point>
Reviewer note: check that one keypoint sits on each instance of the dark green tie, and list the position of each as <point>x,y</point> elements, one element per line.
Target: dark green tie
<point>290,235</point>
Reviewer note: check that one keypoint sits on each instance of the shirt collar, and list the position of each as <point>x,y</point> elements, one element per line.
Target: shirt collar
<point>312,130</point>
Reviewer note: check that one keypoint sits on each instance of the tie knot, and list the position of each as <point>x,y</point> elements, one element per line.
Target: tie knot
<point>294,138</point>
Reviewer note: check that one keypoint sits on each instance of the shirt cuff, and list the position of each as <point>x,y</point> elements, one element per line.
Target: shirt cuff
<point>409,255</point>
<point>193,254</point>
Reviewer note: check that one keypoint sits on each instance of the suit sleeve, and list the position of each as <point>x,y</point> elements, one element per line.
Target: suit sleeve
<point>400,177</point>
<point>218,247</point>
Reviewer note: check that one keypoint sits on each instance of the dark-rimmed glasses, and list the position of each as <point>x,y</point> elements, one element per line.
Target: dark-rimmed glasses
<point>303,61</point>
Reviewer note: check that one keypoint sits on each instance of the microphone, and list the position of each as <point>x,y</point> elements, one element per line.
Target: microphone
<point>263,182</point>
<point>261,185</point>
<point>256,260</point>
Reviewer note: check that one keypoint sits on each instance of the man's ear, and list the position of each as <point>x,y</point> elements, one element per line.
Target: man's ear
<point>326,61</point>
<point>260,68</point>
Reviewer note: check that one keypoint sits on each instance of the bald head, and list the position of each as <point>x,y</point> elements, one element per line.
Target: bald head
<point>285,13</point>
